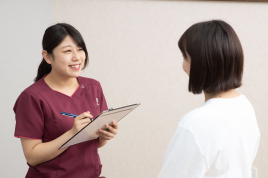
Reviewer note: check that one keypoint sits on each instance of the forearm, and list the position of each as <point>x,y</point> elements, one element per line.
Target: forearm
<point>102,142</point>
<point>44,152</point>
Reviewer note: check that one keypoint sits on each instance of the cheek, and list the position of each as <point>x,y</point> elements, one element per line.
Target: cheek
<point>83,57</point>
<point>184,66</point>
<point>60,62</point>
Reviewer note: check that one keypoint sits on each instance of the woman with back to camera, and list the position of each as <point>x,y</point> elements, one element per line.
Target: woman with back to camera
<point>220,138</point>
<point>57,88</point>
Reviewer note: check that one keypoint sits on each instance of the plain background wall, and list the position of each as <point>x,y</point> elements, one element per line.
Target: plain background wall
<point>22,25</point>
<point>133,52</point>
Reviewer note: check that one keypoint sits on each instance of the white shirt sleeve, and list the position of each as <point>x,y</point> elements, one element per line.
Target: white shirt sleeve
<point>183,158</point>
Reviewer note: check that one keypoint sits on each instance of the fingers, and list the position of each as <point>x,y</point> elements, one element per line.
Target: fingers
<point>111,129</point>
<point>115,125</point>
<point>84,121</point>
<point>78,122</point>
<point>105,137</point>
<point>81,121</point>
<point>108,135</point>
<point>84,115</point>
<point>83,118</point>
<point>105,134</point>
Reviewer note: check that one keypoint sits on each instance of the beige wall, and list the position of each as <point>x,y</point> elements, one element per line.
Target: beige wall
<point>133,53</point>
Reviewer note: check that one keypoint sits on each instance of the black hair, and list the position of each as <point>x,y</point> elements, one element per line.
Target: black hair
<point>53,36</point>
<point>216,54</point>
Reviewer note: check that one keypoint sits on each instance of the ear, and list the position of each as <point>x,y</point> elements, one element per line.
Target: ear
<point>47,56</point>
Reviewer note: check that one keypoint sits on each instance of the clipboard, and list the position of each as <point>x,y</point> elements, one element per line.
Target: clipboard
<point>106,117</point>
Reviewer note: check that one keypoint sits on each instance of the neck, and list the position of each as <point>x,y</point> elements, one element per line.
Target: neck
<point>59,81</point>
<point>225,94</point>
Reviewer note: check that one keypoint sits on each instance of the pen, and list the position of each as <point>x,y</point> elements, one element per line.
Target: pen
<point>71,115</point>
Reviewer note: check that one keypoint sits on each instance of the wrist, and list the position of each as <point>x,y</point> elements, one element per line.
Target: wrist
<point>102,142</point>
<point>101,139</point>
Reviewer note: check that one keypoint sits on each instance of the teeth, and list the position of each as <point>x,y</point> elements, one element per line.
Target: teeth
<point>75,66</point>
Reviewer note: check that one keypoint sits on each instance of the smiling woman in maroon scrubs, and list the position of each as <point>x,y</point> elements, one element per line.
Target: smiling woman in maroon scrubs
<point>58,87</point>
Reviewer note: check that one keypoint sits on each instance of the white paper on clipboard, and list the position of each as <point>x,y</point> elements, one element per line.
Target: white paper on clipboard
<point>106,117</point>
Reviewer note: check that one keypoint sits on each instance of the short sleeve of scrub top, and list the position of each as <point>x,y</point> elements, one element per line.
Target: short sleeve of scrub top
<point>37,111</point>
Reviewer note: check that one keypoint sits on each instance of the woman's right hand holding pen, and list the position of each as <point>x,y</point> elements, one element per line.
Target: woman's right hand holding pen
<point>37,152</point>
<point>81,121</point>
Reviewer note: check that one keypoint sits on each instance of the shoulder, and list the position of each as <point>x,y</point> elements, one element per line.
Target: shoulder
<point>88,81</point>
<point>31,95</point>
<point>247,104</point>
<point>207,118</point>
<point>35,89</point>
<point>195,116</point>
<point>216,114</point>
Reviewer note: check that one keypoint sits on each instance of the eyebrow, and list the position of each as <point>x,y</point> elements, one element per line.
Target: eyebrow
<point>66,46</point>
<point>69,46</point>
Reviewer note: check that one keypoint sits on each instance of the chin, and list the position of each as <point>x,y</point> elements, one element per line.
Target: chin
<point>74,75</point>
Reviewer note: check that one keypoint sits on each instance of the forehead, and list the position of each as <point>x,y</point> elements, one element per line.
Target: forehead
<point>67,42</point>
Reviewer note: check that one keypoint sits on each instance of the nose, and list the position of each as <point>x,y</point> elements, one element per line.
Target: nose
<point>75,56</point>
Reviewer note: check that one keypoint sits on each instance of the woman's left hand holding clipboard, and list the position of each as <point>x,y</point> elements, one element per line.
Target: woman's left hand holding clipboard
<point>105,135</point>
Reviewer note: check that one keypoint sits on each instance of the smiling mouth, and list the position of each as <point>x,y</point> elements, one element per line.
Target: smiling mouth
<point>76,67</point>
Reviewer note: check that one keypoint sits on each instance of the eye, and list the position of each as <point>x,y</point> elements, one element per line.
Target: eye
<point>81,49</point>
<point>67,51</point>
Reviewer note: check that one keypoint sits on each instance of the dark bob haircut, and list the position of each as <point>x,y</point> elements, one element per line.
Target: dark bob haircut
<point>216,54</point>
<point>53,36</point>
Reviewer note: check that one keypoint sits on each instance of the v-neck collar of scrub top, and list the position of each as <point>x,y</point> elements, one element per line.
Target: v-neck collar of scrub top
<point>71,97</point>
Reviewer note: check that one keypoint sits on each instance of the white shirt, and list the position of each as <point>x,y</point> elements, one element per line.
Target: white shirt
<point>219,139</point>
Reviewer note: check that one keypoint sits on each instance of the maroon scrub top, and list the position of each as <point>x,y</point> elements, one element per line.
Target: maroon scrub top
<point>38,116</point>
